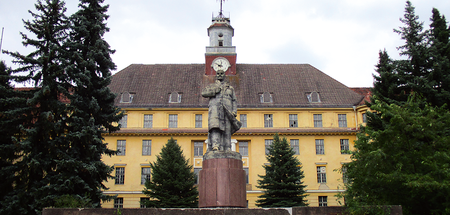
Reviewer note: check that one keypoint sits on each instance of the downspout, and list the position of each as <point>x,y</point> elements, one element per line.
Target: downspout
<point>356,118</point>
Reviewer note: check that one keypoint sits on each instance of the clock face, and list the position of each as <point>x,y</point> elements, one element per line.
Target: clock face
<point>220,64</point>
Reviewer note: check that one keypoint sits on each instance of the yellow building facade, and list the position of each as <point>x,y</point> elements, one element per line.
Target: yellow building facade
<point>318,116</point>
<point>317,161</point>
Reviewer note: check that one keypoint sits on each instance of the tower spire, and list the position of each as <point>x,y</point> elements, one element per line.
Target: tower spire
<point>221,11</point>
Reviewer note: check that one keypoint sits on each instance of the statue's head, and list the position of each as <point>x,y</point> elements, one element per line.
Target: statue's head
<point>220,75</point>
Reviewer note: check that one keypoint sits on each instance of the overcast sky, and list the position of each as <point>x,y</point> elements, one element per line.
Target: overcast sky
<point>342,38</point>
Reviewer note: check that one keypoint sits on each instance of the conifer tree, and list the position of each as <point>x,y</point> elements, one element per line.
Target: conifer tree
<point>12,124</point>
<point>406,163</point>
<point>172,184</point>
<point>37,182</point>
<point>91,103</point>
<point>439,78</point>
<point>282,184</point>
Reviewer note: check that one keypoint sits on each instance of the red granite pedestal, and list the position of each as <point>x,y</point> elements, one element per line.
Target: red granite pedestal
<point>222,182</point>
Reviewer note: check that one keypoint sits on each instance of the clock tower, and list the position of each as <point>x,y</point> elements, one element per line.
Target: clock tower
<point>220,54</point>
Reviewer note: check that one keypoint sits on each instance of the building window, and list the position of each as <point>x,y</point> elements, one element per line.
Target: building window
<point>344,175</point>
<point>123,121</point>
<point>120,175</point>
<point>345,148</point>
<point>142,202</point>
<point>198,148</point>
<point>266,97</point>
<point>268,144</point>
<point>118,203</point>
<point>317,120</point>
<point>321,174</point>
<point>126,97</point>
<point>173,121</point>
<point>293,122</point>
<point>295,146</point>
<point>121,147</point>
<point>148,120</point>
<point>320,147</point>
<point>175,97</point>
<point>243,118</point>
<point>146,147</point>
<point>364,118</point>
<point>198,120</point>
<point>342,119</point>
<point>246,174</point>
<point>313,97</point>
<point>268,120</point>
<point>197,174</point>
<point>323,201</point>
<point>243,148</point>
<point>145,174</point>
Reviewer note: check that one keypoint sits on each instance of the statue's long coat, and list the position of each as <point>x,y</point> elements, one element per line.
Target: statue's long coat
<point>226,98</point>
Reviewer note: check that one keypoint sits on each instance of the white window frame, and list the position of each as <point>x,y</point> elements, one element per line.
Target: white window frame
<point>321,174</point>
<point>198,120</point>
<point>293,120</point>
<point>121,147</point>
<point>345,146</point>
<point>173,120</point>
<point>317,120</point>
<point>243,148</point>
<point>267,144</point>
<point>268,120</point>
<point>123,122</point>
<point>148,120</point>
<point>342,120</point>
<point>323,201</point>
<point>320,147</point>
<point>243,119</point>
<point>146,147</point>
<point>295,145</point>
<point>120,175</point>
<point>146,173</point>
<point>198,148</point>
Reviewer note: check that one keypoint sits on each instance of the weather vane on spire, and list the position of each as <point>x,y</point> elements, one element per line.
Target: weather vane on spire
<point>220,12</point>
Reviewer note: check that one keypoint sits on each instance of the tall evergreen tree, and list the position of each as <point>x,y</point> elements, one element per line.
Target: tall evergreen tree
<point>38,181</point>
<point>282,184</point>
<point>172,184</point>
<point>91,104</point>
<point>389,85</point>
<point>439,78</point>
<point>12,123</point>
<point>406,163</point>
<point>416,68</point>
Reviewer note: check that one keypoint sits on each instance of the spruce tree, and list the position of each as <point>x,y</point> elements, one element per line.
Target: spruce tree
<point>282,183</point>
<point>172,184</point>
<point>13,120</point>
<point>389,85</point>
<point>91,104</point>
<point>416,68</point>
<point>37,182</point>
<point>439,78</point>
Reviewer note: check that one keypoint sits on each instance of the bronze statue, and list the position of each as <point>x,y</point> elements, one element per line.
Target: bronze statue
<point>222,122</point>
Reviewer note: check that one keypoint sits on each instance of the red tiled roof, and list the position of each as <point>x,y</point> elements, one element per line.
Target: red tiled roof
<point>288,84</point>
<point>364,91</point>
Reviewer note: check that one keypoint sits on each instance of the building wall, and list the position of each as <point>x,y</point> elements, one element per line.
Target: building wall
<point>133,161</point>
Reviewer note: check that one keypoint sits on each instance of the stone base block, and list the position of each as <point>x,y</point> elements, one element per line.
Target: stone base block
<point>222,183</point>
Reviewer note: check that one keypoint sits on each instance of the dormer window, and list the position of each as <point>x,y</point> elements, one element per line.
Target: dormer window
<point>175,97</point>
<point>313,97</point>
<point>266,97</point>
<point>126,97</point>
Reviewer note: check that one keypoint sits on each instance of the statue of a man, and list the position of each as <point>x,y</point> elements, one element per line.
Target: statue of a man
<point>222,122</point>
